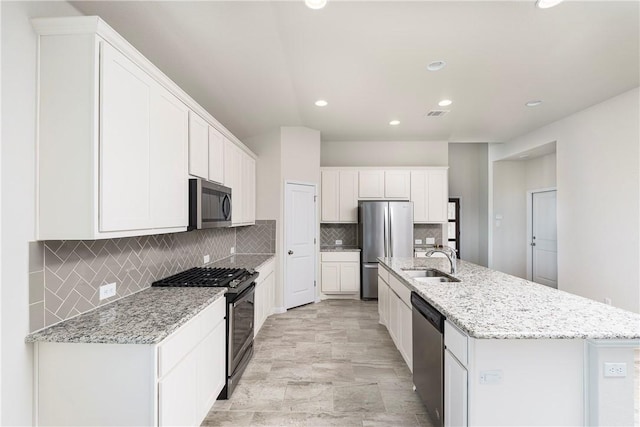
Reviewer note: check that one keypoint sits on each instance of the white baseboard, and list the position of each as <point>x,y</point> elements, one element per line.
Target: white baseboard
<point>317,299</point>
<point>278,310</point>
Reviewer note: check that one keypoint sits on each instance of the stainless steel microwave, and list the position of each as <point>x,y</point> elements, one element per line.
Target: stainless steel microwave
<point>209,205</point>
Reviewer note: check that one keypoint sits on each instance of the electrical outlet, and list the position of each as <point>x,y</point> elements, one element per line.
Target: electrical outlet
<point>430,241</point>
<point>617,370</point>
<point>607,301</point>
<point>233,249</point>
<point>206,259</point>
<point>338,242</point>
<point>418,241</point>
<point>107,291</point>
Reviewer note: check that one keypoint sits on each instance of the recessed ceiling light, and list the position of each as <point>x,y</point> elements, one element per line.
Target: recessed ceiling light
<point>321,103</point>
<point>436,65</point>
<point>445,102</point>
<point>315,4</point>
<point>546,4</point>
<point>394,122</point>
<point>533,103</point>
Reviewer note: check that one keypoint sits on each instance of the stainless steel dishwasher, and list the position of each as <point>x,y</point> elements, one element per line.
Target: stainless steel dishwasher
<point>428,357</point>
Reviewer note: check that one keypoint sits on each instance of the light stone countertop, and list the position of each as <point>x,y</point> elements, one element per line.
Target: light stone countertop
<point>146,317</point>
<point>339,248</point>
<point>490,304</point>
<point>248,261</point>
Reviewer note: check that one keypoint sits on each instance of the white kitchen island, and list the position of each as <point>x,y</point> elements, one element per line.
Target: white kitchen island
<point>518,353</point>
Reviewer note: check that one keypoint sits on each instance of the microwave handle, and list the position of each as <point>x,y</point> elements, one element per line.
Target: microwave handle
<point>226,207</point>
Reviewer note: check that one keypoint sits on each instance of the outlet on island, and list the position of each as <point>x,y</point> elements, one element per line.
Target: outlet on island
<point>107,291</point>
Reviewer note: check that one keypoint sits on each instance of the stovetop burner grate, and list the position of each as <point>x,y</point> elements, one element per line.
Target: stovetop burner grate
<point>204,276</point>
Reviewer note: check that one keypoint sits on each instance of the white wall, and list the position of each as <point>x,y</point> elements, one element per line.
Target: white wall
<point>541,172</point>
<point>18,198</point>
<point>468,180</point>
<point>510,203</point>
<point>598,182</point>
<point>384,153</point>
<point>287,154</point>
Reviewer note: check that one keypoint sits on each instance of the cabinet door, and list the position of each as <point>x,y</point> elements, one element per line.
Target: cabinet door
<point>330,277</point>
<point>394,324</point>
<point>397,184</point>
<point>198,146</point>
<point>455,391</point>
<point>330,210</point>
<point>406,335</point>
<point>348,196</point>
<point>438,196</point>
<point>349,277</point>
<point>169,131</point>
<point>233,179</point>
<point>216,155</point>
<point>371,184</point>
<point>124,182</point>
<point>419,196</point>
<point>382,296</point>
<point>211,369</point>
<point>177,394</point>
<point>248,189</point>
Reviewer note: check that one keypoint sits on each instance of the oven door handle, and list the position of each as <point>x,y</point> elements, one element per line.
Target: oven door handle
<point>245,295</point>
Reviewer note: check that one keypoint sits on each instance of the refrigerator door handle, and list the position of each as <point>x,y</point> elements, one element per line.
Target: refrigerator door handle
<point>386,232</point>
<point>390,232</point>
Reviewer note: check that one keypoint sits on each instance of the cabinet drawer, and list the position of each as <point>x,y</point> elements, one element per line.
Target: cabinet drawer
<point>456,341</point>
<point>265,270</point>
<point>340,256</point>
<point>400,289</point>
<point>211,317</point>
<point>383,273</point>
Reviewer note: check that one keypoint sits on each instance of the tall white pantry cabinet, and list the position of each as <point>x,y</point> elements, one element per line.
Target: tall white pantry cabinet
<point>117,139</point>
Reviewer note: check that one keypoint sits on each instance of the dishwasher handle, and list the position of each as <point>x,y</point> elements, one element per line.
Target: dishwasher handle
<point>428,312</point>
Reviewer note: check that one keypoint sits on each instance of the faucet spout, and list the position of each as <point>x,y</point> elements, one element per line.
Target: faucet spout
<point>449,252</point>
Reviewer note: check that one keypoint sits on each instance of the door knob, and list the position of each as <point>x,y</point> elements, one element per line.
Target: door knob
<point>290,252</point>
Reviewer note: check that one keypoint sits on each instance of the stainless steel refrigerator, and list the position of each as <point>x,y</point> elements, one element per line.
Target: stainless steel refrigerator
<point>385,229</point>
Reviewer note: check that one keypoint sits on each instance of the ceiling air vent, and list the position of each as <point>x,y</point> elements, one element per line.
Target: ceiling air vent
<point>437,113</point>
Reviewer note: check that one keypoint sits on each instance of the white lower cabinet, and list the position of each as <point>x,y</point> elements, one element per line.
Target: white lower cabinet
<point>395,313</point>
<point>264,296</point>
<point>455,391</point>
<point>174,382</point>
<point>340,272</point>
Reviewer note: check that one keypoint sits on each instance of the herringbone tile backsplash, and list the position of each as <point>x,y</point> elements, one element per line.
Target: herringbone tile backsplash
<point>329,233</point>
<point>422,231</point>
<point>65,275</point>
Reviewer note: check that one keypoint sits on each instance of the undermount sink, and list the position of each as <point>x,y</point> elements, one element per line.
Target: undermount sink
<point>430,275</point>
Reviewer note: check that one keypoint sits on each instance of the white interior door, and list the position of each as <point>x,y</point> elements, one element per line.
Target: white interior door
<point>544,247</point>
<point>299,248</point>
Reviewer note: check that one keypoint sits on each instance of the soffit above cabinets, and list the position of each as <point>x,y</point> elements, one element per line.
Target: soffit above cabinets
<point>260,65</point>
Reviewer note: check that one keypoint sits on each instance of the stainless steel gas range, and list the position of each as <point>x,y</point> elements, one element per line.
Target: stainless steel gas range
<point>240,284</point>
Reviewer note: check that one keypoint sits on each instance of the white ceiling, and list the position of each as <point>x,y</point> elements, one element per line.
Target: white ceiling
<point>259,65</point>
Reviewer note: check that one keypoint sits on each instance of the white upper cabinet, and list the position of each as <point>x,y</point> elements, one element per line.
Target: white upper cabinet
<point>371,184</point>
<point>125,119</point>
<point>348,196</point>
<point>169,122</point>
<point>117,140</point>
<point>240,176</point>
<point>198,146</point>
<point>430,195</point>
<point>216,155</point>
<point>397,184</point>
<point>339,196</point>
<point>330,194</point>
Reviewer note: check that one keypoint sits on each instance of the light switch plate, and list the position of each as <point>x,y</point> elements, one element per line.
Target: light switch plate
<point>491,377</point>
<point>206,259</point>
<point>418,241</point>
<point>430,240</point>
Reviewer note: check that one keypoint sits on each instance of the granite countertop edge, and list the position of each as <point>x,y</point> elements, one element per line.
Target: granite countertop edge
<point>127,312</point>
<point>514,319</point>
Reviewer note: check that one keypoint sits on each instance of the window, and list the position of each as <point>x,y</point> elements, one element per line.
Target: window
<point>453,214</point>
